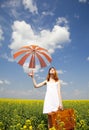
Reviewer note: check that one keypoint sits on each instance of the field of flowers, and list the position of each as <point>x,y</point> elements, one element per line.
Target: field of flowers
<point>17,114</point>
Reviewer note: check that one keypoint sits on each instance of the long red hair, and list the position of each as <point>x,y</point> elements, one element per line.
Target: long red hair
<point>55,77</point>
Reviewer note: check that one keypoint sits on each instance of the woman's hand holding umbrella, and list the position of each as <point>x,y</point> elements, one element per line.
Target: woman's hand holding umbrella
<point>31,74</point>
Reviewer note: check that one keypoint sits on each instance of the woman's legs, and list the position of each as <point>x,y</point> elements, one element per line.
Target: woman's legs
<point>49,121</point>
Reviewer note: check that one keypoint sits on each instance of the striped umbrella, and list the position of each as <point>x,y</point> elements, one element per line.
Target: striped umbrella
<point>33,54</point>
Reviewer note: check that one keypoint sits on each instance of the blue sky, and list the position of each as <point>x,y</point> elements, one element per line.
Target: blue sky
<point>60,26</point>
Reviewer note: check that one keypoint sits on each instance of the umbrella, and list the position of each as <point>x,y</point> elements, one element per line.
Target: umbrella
<point>33,54</point>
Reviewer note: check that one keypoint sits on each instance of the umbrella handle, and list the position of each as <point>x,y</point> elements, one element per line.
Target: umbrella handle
<point>31,74</point>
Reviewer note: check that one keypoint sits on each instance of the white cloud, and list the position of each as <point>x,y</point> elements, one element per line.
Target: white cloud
<point>31,5</point>
<point>28,94</point>
<point>83,1</point>
<point>1,34</point>
<point>60,71</point>
<point>7,82</point>
<point>80,94</point>
<point>77,92</point>
<point>63,83</point>
<point>2,82</point>
<point>10,3</point>
<point>88,58</point>
<point>29,70</point>
<point>76,16</point>
<point>61,21</point>
<point>5,56</point>
<point>47,13</point>
<point>23,34</point>
<point>35,70</point>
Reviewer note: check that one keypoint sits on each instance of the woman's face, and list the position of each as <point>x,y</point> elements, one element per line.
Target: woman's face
<point>52,71</point>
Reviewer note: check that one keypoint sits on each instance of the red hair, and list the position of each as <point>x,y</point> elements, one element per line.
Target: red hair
<point>55,77</point>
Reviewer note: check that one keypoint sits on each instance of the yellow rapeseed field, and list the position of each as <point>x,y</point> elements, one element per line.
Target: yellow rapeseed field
<point>20,114</point>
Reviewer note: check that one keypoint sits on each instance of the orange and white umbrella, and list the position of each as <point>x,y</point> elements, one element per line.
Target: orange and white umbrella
<point>33,54</point>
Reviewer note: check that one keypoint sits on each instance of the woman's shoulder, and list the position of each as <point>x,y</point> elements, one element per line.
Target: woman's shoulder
<point>58,81</point>
<point>48,82</point>
<point>45,82</point>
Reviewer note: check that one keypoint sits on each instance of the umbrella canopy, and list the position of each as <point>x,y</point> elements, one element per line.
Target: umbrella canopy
<point>33,53</point>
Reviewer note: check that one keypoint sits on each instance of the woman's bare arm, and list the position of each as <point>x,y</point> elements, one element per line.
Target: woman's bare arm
<point>60,97</point>
<point>34,81</point>
<point>39,84</point>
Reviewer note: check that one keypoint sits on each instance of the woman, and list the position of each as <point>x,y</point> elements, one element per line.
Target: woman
<point>53,99</point>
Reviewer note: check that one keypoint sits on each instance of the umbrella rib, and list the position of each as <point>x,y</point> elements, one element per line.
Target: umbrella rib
<point>46,56</point>
<point>25,47</point>
<point>19,53</point>
<point>42,49</point>
<point>42,62</point>
<point>22,60</point>
<point>32,61</point>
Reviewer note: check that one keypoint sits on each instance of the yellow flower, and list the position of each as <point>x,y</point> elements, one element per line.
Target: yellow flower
<point>53,128</point>
<point>30,127</point>
<point>24,126</point>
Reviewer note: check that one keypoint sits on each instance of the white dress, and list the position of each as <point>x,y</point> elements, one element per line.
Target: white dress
<point>51,102</point>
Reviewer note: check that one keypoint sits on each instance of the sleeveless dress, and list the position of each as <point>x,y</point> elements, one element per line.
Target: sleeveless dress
<point>51,101</point>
